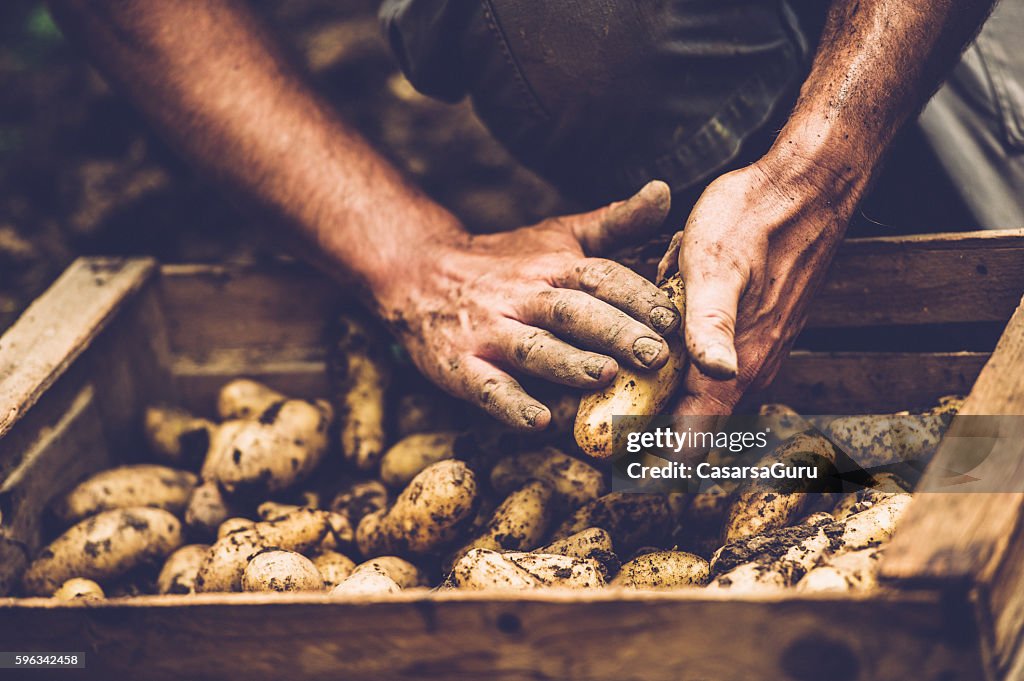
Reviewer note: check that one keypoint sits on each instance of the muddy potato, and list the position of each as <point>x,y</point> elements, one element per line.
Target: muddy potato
<point>484,569</point>
<point>663,570</point>
<point>772,570</point>
<point>574,482</point>
<point>874,525</point>
<point>877,440</point>
<point>410,455</point>
<point>886,484</point>
<point>761,506</point>
<point>631,519</point>
<point>334,567</point>
<point>405,574</point>
<point>104,547</point>
<point>176,436</point>
<point>178,575</point>
<point>783,420</point>
<point>640,394</point>
<point>852,571</point>
<point>232,525</point>
<point>225,562</point>
<point>592,543</point>
<point>271,453</point>
<point>359,499</point>
<point>207,509</point>
<point>280,570</point>
<point>360,373</point>
<point>77,588</point>
<point>245,399</point>
<point>340,532</point>
<point>367,582</point>
<point>427,515</point>
<point>518,524</point>
<point>124,487</point>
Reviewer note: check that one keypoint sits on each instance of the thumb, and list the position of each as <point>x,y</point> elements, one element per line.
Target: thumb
<point>713,290</point>
<point>625,222</point>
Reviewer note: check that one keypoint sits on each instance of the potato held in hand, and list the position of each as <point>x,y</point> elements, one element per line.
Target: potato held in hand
<point>104,547</point>
<point>271,453</point>
<point>124,487</point>
<point>427,515</point>
<point>639,394</point>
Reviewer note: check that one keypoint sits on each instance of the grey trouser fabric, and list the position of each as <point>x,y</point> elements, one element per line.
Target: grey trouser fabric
<point>600,96</point>
<point>975,123</point>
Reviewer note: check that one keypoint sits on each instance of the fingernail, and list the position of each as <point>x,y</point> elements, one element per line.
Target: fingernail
<point>647,350</point>
<point>530,415</point>
<point>595,367</point>
<point>720,361</point>
<point>663,319</point>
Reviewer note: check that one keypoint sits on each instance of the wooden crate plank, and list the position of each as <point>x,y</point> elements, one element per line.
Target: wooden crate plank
<point>919,279</point>
<point>963,535</point>
<point>67,449</point>
<point>60,325</point>
<point>870,382</point>
<point>213,307</point>
<point>680,636</point>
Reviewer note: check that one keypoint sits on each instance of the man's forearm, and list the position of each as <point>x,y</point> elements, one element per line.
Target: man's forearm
<point>208,76</point>
<point>877,64</point>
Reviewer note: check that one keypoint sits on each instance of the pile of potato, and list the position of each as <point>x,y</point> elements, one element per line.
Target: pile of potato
<point>284,494</point>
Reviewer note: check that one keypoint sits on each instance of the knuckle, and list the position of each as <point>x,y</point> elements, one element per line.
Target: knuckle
<point>595,273</point>
<point>529,345</point>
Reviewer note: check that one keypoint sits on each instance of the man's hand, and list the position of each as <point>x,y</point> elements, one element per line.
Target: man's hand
<point>473,309</point>
<point>759,240</point>
<point>753,251</point>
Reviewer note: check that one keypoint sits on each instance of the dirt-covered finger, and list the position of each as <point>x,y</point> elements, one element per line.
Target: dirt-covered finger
<point>542,354</point>
<point>501,396</point>
<point>591,323</point>
<point>620,286</point>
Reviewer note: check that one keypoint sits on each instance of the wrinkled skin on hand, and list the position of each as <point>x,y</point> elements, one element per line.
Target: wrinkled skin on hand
<point>534,301</point>
<point>754,251</point>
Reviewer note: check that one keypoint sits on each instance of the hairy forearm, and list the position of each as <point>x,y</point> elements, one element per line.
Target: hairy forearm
<point>876,66</point>
<point>209,77</point>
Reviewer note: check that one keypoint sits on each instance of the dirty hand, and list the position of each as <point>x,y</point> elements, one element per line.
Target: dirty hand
<point>753,252</point>
<point>473,309</point>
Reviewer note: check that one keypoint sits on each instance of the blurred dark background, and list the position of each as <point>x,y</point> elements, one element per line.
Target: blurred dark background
<point>80,173</point>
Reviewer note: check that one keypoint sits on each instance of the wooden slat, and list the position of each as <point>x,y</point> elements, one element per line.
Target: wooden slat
<point>59,326</point>
<point>870,382</point>
<point>213,307</point>
<point>685,635</point>
<point>921,279</point>
<point>951,536</point>
<point>64,451</point>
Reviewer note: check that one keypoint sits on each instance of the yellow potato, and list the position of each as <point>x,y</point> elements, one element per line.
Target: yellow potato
<point>126,486</point>
<point>427,515</point>
<point>410,455</point>
<point>574,482</point>
<point>178,575</point>
<point>177,436</point>
<point>360,374</point>
<point>104,547</point>
<point>279,570</point>
<point>663,570</point>
<point>77,588</point>
<point>484,569</point>
<point>245,399</point>
<point>641,395</point>
<point>225,562</point>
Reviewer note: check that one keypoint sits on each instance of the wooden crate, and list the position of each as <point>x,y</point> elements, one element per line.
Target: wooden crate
<point>113,335</point>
